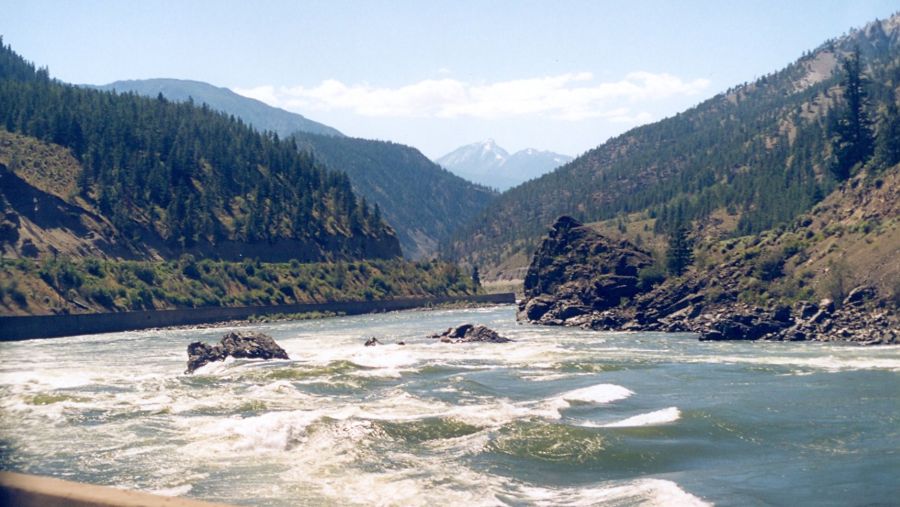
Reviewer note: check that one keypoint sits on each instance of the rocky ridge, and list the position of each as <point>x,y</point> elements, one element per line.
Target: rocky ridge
<point>703,302</point>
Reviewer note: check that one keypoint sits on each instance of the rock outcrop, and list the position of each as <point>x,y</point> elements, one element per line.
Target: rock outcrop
<point>571,274</point>
<point>470,333</point>
<point>576,272</point>
<point>236,344</point>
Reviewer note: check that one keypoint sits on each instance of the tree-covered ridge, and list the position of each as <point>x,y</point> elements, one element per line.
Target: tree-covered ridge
<point>188,176</point>
<point>762,151</point>
<point>424,202</point>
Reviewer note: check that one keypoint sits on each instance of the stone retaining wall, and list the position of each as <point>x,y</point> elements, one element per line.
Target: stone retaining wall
<point>52,326</point>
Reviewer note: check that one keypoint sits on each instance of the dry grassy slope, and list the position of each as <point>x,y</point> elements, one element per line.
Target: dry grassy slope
<point>851,238</point>
<point>42,189</point>
<point>858,227</point>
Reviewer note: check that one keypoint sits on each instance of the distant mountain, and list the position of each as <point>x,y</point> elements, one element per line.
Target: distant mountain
<point>424,203</point>
<point>256,113</point>
<point>749,159</point>
<point>489,164</point>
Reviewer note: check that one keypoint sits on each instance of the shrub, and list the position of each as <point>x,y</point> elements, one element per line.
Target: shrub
<point>145,274</point>
<point>770,265</point>
<point>651,276</point>
<point>94,267</point>
<point>191,270</point>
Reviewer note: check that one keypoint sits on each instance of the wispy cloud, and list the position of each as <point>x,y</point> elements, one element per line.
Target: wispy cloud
<point>573,96</point>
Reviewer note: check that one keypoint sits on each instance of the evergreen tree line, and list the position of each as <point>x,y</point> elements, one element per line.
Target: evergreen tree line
<point>186,173</point>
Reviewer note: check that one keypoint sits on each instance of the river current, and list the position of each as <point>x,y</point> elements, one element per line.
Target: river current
<point>558,417</point>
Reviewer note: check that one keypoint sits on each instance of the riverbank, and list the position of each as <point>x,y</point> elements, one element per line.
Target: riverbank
<point>53,326</point>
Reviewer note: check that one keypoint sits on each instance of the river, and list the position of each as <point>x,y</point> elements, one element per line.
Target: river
<point>559,417</point>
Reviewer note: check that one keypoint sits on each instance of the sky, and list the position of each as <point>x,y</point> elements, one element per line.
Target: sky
<point>552,75</point>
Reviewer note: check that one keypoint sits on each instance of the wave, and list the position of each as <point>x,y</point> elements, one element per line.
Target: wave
<point>666,415</point>
<point>600,393</point>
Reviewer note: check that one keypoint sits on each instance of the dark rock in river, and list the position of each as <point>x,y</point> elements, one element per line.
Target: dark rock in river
<point>237,344</point>
<point>371,342</point>
<point>470,333</point>
<point>576,271</point>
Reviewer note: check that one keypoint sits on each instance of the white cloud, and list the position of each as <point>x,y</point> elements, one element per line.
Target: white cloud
<point>572,96</point>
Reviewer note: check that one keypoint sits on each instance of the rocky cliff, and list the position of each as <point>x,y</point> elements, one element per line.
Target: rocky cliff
<point>577,272</point>
<point>581,278</point>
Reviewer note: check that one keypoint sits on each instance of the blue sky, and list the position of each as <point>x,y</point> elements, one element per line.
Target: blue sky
<point>562,75</point>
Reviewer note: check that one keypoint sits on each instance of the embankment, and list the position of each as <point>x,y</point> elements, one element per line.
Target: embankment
<point>53,326</point>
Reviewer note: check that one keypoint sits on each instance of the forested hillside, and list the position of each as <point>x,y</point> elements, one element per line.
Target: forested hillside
<point>755,156</point>
<point>424,203</point>
<point>148,178</point>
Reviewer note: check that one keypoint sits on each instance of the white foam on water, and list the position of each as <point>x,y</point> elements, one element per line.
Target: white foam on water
<point>600,393</point>
<point>173,491</point>
<point>829,363</point>
<point>213,368</point>
<point>412,482</point>
<point>551,408</point>
<point>52,378</point>
<point>644,492</point>
<point>664,416</point>
<point>272,431</point>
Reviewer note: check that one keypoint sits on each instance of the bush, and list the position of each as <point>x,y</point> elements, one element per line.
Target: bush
<point>191,270</point>
<point>770,265</point>
<point>651,276</point>
<point>837,281</point>
<point>145,274</point>
<point>94,267</point>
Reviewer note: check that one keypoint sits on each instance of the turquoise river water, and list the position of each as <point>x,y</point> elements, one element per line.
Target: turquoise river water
<point>559,417</point>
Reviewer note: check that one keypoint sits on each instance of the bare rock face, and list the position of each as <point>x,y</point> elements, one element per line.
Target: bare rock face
<point>576,271</point>
<point>237,344</point>
<point>467,333</point>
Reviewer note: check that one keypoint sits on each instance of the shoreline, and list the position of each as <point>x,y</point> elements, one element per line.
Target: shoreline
<point>57,326</point>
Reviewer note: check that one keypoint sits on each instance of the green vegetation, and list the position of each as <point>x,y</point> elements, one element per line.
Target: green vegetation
<point>73,285</point>
<point>852,144</point>
<point>186,175</point>
<point>680,253</point>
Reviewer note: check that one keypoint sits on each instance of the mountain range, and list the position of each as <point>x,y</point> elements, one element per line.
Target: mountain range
<point>259,114</point>
<point>424,203</point>
<point>491,165</point>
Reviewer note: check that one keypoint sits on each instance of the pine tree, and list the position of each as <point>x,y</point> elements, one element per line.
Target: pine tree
<point>476,277</point>
<point>888,144</point>
<point>852,143</point>
<point>680,254</point>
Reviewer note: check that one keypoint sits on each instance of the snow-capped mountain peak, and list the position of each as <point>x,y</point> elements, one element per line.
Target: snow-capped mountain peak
<point>489,164</point>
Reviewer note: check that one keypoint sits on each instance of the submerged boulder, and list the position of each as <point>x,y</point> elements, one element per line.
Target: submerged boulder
<point>470,333</point>
<point>237,344</point>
